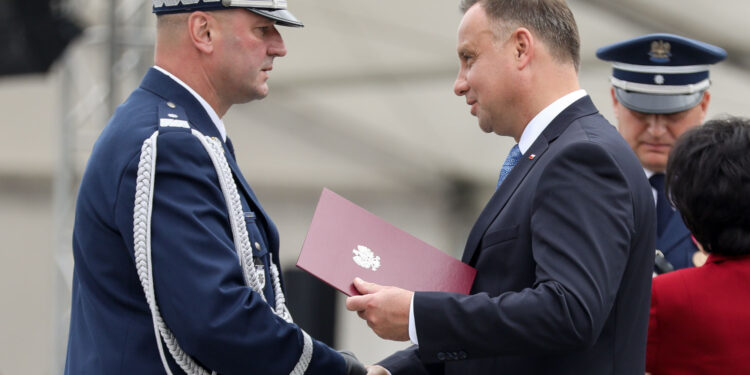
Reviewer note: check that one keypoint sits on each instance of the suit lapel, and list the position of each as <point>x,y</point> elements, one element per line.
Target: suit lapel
<point>502,195</point>
<point>580,108</point>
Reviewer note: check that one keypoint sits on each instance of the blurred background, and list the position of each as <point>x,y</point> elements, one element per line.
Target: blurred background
<point>362,104</point>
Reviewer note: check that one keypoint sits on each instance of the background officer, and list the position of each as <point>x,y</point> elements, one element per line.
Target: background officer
<point>176,262</point>
<point>659,90</point>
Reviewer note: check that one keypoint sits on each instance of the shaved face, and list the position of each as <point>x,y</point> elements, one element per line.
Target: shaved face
<point>485,75</point>
<point>652,136</point>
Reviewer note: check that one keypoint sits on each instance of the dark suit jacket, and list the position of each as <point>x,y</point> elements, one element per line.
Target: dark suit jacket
<point>699,319</point>
<point>564,253</point>
<point>676,243</point>
<point>221,323</point>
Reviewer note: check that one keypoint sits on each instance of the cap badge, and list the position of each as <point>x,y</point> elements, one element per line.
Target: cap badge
<point>659,79</point>
<point>365,258</point>
<point>660,51</point>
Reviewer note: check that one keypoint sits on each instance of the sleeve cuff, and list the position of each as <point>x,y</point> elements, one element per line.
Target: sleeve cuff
<point>412,326</point>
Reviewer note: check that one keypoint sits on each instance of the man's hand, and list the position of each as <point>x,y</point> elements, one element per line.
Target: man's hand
<point>377,370</point>
<point>385,308</point>
<point>353,365</point>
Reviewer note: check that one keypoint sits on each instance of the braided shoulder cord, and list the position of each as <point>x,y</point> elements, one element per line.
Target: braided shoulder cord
<point>144,195</point>
<point>142,248</point>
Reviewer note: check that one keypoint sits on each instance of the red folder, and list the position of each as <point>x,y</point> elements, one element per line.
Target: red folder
<point>346,241</point>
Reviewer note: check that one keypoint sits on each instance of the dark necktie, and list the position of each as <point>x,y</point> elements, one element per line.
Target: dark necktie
<point>230,147</point>
<point>510,162</point>
<point>664,209</point>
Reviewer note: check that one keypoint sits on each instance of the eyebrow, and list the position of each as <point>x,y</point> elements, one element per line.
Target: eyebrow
<point>465,49</point>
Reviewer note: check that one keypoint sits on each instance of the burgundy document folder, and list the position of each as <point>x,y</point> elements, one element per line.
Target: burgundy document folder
<point>346,241</point>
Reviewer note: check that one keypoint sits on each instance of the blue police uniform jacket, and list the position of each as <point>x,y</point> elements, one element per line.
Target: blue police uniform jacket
<point>219,321</point>
<point>676,243</point>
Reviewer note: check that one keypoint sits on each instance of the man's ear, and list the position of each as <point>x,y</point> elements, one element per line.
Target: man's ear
<point>704,105</point>
<point>614,97</point>
<point>615,103</point>
<point>200,29</point>
<point>523,46</point>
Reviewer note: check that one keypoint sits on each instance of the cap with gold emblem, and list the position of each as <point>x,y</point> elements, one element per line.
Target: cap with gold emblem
<point>273,9</point>
<point>660,73</point>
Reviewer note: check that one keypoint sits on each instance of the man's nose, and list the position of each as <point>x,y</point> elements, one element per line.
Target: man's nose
<point>276,45</point>
<point>460,87</point>
<point>656,124</point>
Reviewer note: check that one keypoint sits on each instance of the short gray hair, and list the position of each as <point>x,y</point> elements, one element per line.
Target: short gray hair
<point>550,20</point>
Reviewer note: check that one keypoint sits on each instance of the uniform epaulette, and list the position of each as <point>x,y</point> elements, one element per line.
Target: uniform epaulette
<point>170,115</point>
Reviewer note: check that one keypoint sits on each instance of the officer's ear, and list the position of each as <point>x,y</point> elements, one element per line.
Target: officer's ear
<point>703,105</point>
<point>614,97</point>
<point>201,27</point>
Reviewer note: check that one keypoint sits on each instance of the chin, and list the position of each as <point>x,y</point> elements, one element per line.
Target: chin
<point>487,128</point>
<point>655,166</point>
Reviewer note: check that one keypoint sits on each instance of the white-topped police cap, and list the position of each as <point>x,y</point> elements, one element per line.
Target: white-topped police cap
<point>273,9</point>
<point>660,73</point>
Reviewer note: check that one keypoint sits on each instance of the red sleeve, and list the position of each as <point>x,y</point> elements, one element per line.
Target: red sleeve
<point>653,342</point>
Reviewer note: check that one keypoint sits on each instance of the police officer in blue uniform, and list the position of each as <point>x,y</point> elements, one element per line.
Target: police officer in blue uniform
<point>659,90</point>
<point>176,262</point>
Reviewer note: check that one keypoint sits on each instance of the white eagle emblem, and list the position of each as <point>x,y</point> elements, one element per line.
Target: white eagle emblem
<point>365,258</point>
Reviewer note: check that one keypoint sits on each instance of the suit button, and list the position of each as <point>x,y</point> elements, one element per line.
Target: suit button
<point>441,356</point>
<point>462,355</point>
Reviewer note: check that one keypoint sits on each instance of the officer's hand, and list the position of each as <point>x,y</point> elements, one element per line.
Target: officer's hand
<point>353,365</point>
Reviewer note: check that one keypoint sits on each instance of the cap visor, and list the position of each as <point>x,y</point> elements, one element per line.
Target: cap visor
<point>655,103</point>
<point>282,16</point>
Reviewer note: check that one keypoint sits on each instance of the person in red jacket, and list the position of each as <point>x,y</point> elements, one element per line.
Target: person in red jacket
<point>699,316</point>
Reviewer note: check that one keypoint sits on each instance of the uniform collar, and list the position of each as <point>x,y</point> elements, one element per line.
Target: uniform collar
<point>209,110</point>
<point>537,125</point>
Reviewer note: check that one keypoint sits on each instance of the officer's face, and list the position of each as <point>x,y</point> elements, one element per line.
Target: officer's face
<point>486,76</point>
<point>249,43</point>
<point>651,136</point>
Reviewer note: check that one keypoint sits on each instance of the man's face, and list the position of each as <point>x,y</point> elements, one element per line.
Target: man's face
<point>651,136</point>
<point>485,74</point>
<point>245,53</point>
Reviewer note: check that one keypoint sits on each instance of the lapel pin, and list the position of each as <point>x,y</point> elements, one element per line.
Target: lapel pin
<point>532,156</point>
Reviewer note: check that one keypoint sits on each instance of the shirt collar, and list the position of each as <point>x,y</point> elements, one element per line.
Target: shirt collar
<point>211,113</point>
<point>543,118</point>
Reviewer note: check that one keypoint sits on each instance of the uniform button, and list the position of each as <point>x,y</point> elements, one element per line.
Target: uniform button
<point>462,355</point>
<point>257,245</point>
<point>171,105</point>
<point>441,356</point>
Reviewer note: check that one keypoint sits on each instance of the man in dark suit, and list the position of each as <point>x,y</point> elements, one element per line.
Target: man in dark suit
<point>563,249</point>
<point>660,90</point>
<point>176,262</point>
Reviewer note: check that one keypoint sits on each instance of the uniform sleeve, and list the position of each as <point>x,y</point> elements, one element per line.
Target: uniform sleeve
<point>581,227</point>
<point>217,320</point>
